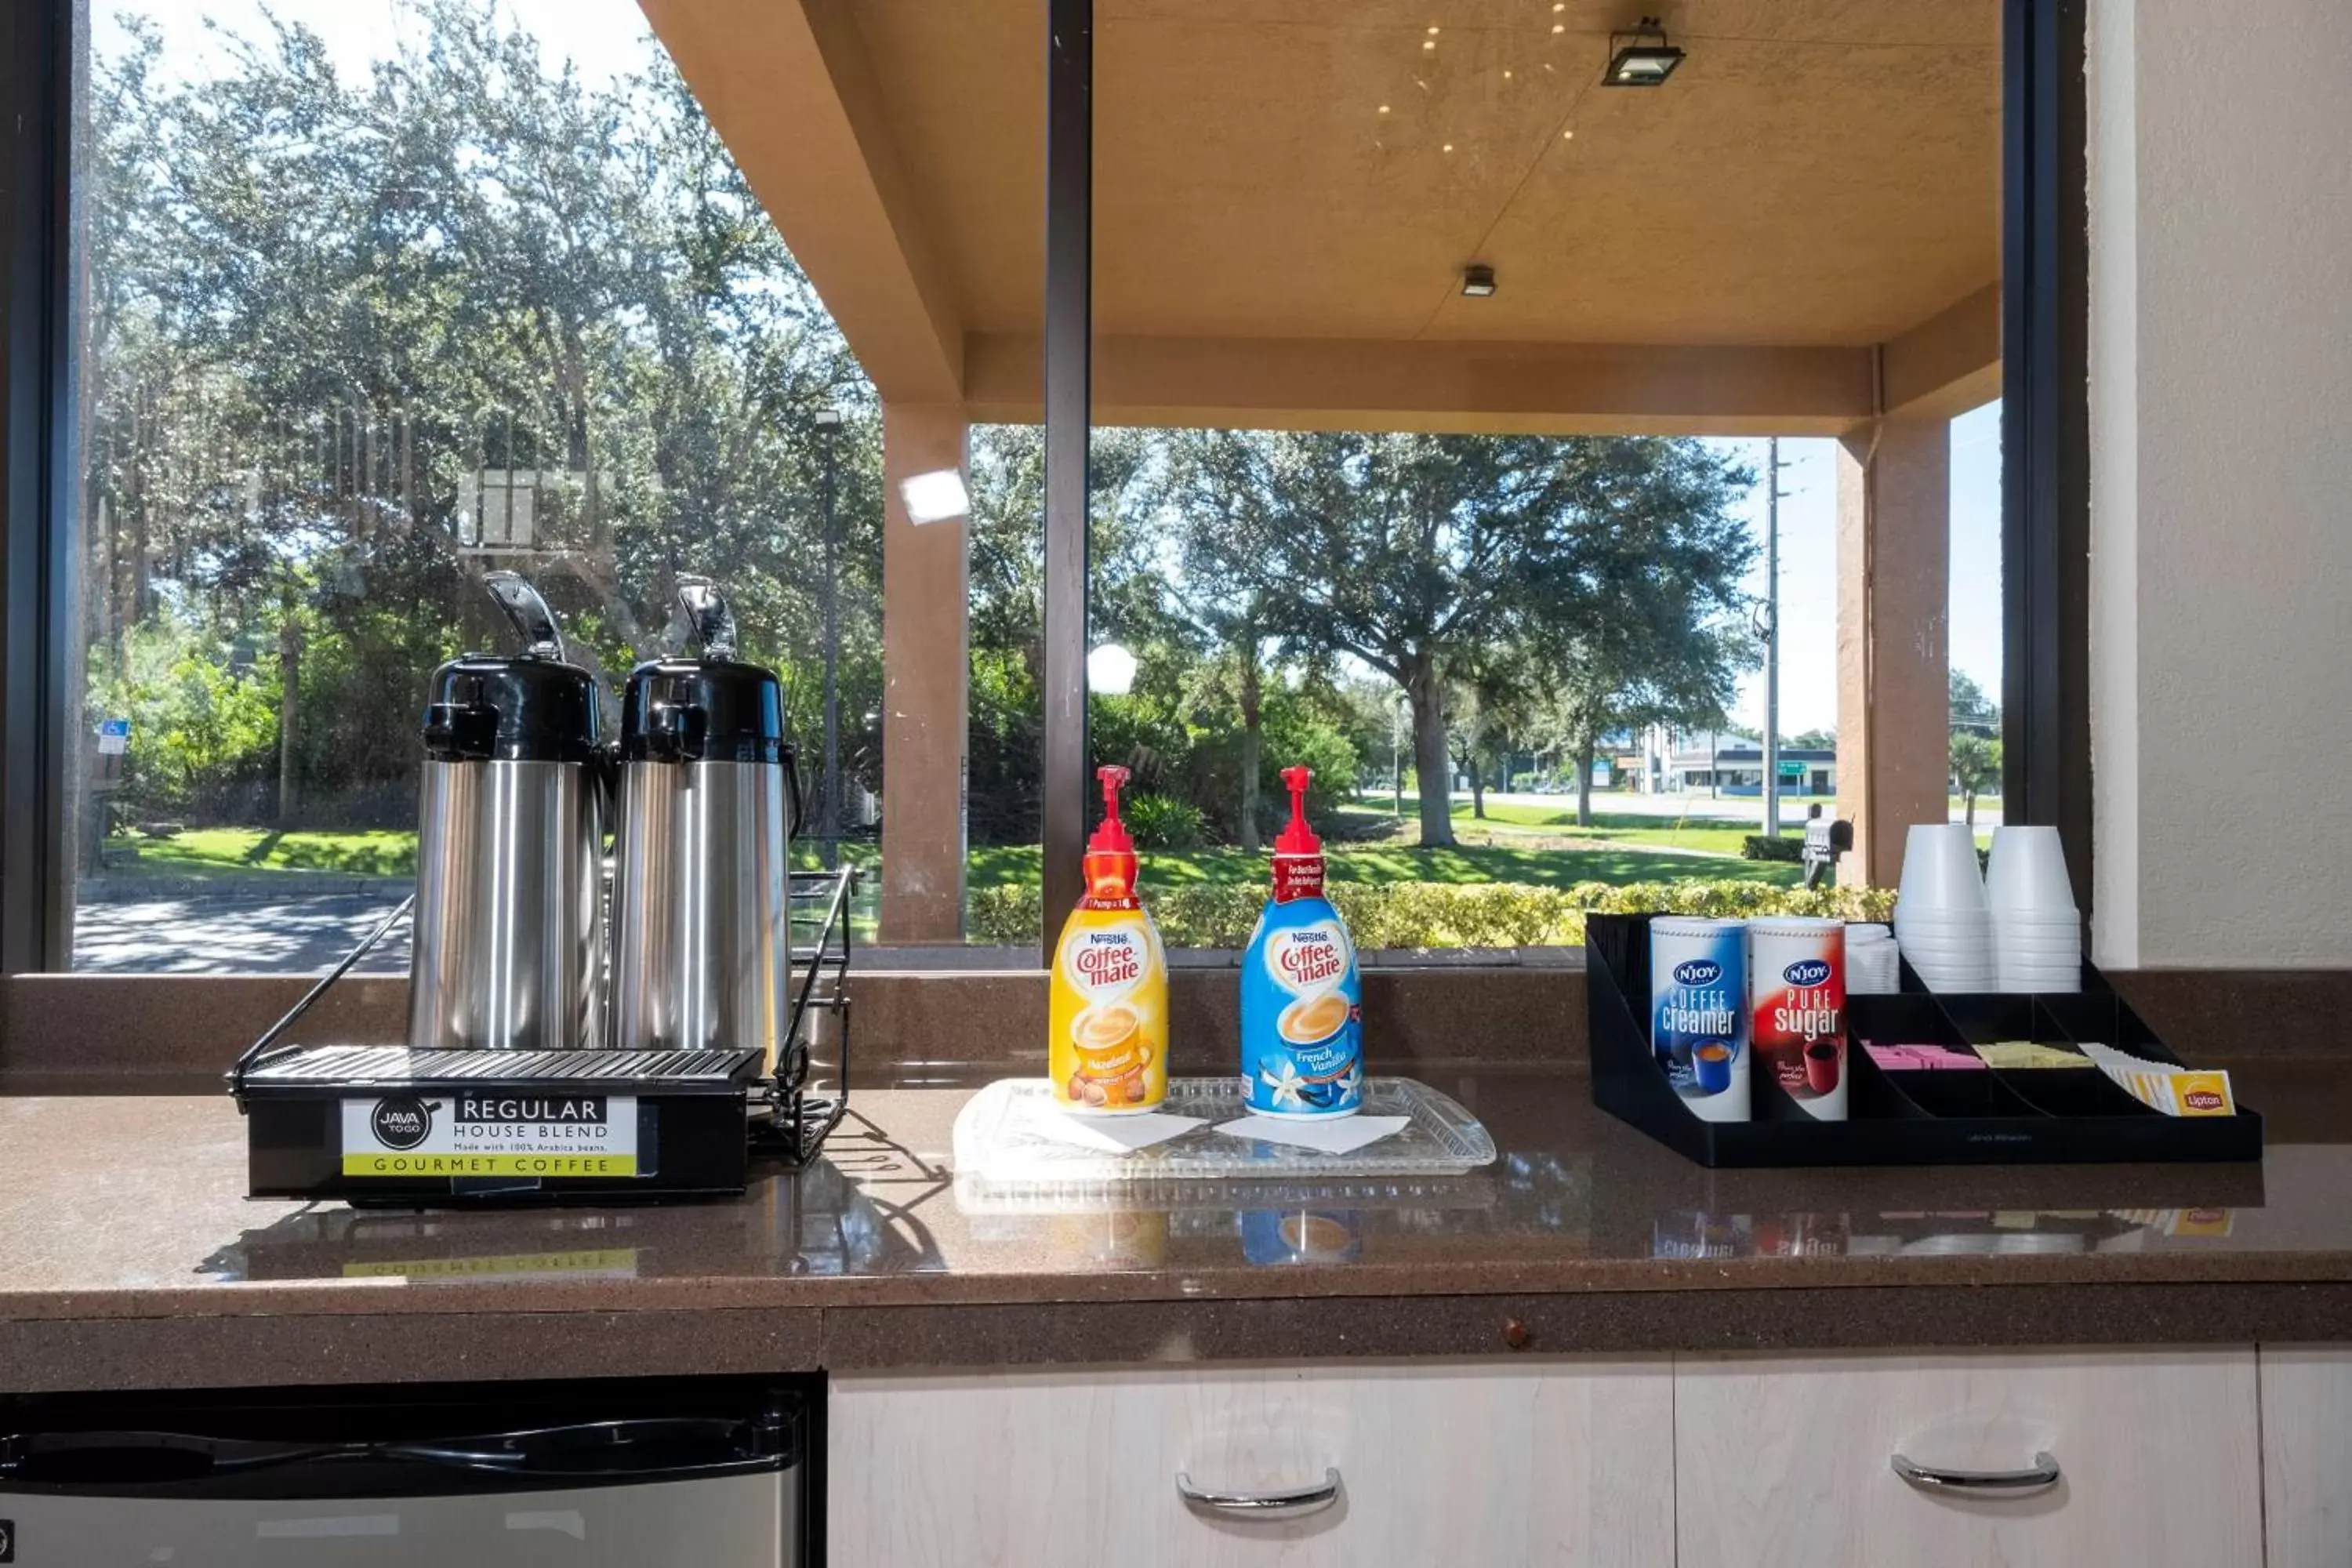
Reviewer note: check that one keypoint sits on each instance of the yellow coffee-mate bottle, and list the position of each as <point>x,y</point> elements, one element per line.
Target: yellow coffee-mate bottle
<point>1109,1053</point>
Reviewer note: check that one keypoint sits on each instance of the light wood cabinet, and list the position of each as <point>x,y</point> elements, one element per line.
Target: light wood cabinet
<point>1785,1462</point>
<point>1529,1461</point>
<point>2307,1455</point>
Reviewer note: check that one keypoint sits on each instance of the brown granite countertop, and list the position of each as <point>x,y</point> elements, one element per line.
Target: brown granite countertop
<point>129,1257</point>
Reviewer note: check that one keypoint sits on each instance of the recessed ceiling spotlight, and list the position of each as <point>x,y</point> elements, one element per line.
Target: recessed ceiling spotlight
<point>1507,76</point>
<point>1447,148</point>
<point>1429,43</point>
<point>1384,108</point>
<point>1477,281</point>
<point>1432,32</point>
<point>1559,26</point>
<point>1643,59</point>
<point>1568,136</point>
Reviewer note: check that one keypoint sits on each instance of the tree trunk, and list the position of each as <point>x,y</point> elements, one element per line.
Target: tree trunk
<point>1430,758</point>
<point>1968,798</point>
<point>1477,787</point>
<point>290,709</point>
<point>1584,750</point>
<point>1252,747</point>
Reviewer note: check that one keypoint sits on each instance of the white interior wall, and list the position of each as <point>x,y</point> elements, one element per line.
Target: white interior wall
<point>2221,197</point>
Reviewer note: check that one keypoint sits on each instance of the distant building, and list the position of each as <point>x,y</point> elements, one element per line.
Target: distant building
<point>1661,762</point>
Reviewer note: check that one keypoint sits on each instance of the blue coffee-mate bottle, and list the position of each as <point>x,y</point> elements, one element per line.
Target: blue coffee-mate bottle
<point>1302,1003</point>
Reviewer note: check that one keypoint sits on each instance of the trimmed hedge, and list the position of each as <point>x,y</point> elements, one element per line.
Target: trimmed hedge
<point>1757,846</point>
<point>1440,914</point>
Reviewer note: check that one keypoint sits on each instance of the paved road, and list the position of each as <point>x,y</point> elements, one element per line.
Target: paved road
<point>300,934</point>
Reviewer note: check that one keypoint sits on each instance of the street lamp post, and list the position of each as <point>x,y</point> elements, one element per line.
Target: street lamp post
<point>827,424</point>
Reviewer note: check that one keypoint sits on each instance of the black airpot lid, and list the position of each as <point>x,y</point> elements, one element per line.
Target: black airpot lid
<point>511,708</point>
<point>710,709</point>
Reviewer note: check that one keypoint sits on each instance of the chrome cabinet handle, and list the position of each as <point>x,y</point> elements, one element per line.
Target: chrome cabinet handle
<point>2008,1483</point>
<point>1295,1503</point>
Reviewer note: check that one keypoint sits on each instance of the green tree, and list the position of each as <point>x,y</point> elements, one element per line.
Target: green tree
<point>323,307</point>
<point>1404,552</point>
<point>1971,709</point>
<point>1976,768</point>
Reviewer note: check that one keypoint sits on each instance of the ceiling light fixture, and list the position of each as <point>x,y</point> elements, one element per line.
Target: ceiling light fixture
<point>1641,57</point>
<point>1429,43</point>
<point>1477,281</point>
<point>1384,108</point>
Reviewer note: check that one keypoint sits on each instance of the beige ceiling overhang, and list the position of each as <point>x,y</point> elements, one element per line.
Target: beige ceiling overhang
<point>1799,231</point>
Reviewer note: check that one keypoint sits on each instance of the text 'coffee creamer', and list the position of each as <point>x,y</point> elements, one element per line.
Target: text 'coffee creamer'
<point>1796,986</point>
<point>1108,1052</point>
<point>1302,1003</point>
<point>1698,1012</point>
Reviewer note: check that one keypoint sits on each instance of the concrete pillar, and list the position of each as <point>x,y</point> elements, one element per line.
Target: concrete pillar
<point>926,679</point>
<point>1893,563</point>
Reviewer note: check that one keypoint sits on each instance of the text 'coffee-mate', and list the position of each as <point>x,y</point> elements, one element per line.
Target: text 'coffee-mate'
<point>1108,1049</point>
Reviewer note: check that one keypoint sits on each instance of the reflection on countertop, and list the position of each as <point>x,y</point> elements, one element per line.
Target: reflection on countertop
<point>124,1207</point>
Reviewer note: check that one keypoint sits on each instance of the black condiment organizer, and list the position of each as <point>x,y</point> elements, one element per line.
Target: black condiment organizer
<point>2042,1115</point>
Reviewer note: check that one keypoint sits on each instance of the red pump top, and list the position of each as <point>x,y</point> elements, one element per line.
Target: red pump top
<point>1112,865</point>
<point>1297,852</point>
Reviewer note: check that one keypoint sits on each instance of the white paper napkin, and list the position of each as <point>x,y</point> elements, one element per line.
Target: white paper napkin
<point>1343,1136</point>
<point>1109,1134</point>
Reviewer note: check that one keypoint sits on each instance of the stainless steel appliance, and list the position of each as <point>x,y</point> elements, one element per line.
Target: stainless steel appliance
<point>509,934</point>
<point>710,800</point>
<point>525,1477</point>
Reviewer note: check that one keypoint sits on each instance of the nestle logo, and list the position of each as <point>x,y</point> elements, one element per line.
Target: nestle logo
<point>1697,972</point>
<point>1807,972</point>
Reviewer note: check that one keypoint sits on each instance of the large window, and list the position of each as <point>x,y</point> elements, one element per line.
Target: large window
<point>1590,482</point>
<point>377,299</point>
<point>1563,470</point>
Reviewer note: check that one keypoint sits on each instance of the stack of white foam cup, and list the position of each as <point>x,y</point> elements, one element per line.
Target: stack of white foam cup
<point>1942,919</point>
<point>2037,930</point>
<point>1872,966</point>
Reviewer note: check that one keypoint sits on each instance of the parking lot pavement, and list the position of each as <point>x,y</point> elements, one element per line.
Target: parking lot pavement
<point>197,934</point>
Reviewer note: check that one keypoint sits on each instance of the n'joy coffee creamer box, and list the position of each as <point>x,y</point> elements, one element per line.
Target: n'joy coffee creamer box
<point>1107,1049</point>
<point>1302,1002</point>
<point>1698,1012</point>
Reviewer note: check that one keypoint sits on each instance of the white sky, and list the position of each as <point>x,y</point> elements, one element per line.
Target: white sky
<point>608,37</point>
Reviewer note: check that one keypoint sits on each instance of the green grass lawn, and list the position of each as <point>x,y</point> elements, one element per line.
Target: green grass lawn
<point>1704,835</point>
<point>201,851</point>
<point>1532,845</point>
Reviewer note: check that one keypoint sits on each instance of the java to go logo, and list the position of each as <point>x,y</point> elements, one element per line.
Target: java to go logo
<point>1697,972</point>
<point>402,1121</point>
<point>1807,972</point>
